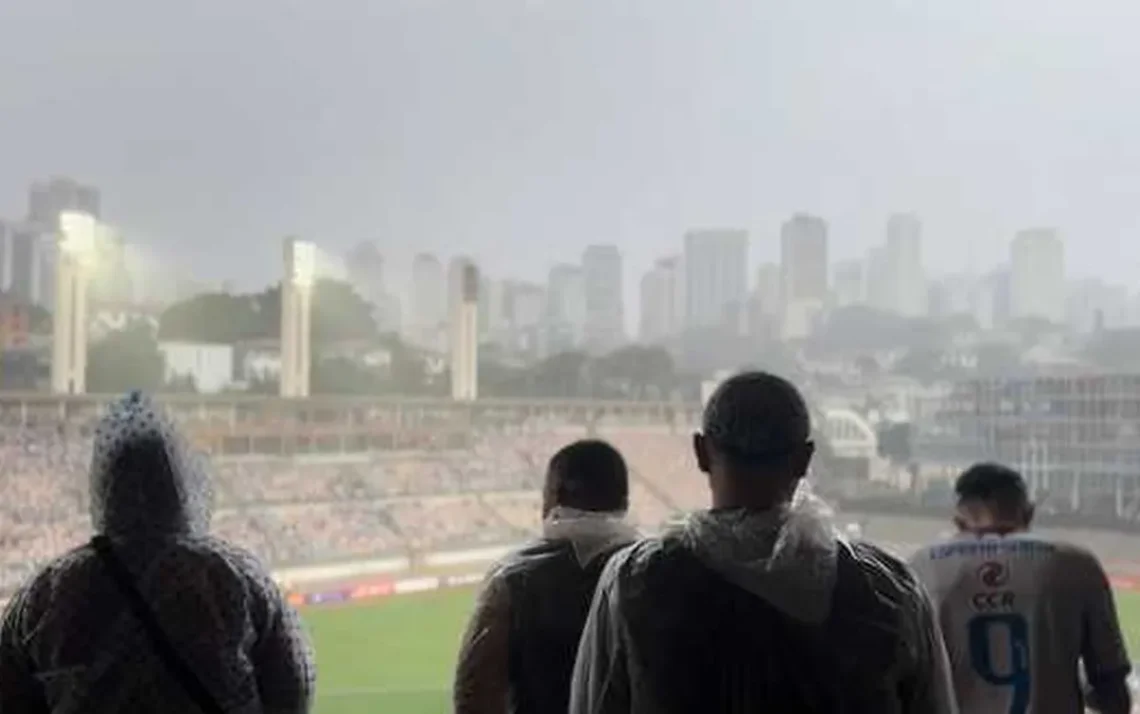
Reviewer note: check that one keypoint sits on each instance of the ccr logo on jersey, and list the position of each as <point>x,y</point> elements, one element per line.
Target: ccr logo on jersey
<point>993,574</point>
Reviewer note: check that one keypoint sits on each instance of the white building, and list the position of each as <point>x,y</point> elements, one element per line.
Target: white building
<point>210,366</point>
<point>716,275</point>
<point>604,297</point>
<point>905,275</point>
<point>565,308</point>
<point>804,268</point>
<point>848,288</point>
<point>1037,275</point>
<point>428,320</point>
<point>662,301</point>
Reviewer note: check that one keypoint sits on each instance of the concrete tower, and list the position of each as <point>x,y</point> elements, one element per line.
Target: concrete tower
<point>296,317</point>
<point>77,236</point>
<point>465,339</point>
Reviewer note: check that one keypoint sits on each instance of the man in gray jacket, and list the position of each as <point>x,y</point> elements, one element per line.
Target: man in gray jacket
<point>153,615</point>
<point>758,605</point>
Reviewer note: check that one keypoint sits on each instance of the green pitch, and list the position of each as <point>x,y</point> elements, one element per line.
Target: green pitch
<point>397,655</point>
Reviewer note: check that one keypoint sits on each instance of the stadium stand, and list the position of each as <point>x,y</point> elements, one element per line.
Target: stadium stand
<point>435,494</point>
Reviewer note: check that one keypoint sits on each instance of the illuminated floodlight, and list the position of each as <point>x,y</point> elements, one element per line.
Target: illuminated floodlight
<point>78,233</point>
<point>302,262</point>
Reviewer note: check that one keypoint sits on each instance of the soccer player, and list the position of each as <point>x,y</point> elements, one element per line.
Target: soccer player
<point>1019,613</point>
<point>758,605</point>
<point>518,652</point>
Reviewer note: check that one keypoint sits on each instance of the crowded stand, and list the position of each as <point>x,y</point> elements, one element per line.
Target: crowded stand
<point>334,507</point>
<point>313,508</point>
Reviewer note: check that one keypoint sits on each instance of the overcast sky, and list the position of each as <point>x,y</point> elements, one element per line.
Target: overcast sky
<point>521,130</point>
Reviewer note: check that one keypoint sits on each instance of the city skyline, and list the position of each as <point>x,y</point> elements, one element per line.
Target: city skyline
<point>488,129</point>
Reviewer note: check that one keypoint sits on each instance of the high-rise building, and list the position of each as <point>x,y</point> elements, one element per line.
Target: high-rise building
<point>524,308</point>
<point>803,258</point>
<point>565,308</point>
<point>905,276</point>
<point>767,292</point>
<point>716,276</point>
<point>662,301</point>
<point>1037,275</point>
<point>428,322</point>
<point>365,267</point>
<point>804,274</point>
<point>29,252</point>
<point>848,287</point>
<point>605,301</point>
<point>47,199</point>
<point>1094,305</point>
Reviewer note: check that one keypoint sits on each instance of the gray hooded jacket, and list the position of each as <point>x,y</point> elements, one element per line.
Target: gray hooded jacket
<point>69,642</point>
<point>643,641</point>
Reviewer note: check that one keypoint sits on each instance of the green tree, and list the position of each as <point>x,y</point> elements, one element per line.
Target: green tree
<point>124,360</point>
<point>339,313</point>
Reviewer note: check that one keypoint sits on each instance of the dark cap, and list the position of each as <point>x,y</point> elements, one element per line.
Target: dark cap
<point>756,416</point>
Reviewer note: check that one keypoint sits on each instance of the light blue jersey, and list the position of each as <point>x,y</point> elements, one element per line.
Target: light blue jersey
<point>1020,615</point>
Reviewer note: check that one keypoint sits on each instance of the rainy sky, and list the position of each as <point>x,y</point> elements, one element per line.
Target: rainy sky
<point>522,130</point>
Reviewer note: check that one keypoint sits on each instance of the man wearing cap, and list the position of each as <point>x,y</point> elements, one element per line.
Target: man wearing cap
<point>758,604</point>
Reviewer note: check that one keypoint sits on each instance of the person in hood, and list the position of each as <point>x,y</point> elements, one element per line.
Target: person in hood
<point>518,651</point>
<point>209,631</point>
<point>758,605</point>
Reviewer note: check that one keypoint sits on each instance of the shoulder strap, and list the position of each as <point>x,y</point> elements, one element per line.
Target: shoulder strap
<point>158,639</point>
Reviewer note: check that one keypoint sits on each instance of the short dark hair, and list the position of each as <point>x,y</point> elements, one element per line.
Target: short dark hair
<point>589,475</point>
<point>757,418</point>
<point>995,484</point>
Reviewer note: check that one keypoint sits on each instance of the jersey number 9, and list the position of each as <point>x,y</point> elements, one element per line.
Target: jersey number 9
<point>983,631</point>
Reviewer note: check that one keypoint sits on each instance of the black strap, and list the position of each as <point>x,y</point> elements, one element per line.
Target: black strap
<point>158,639</point>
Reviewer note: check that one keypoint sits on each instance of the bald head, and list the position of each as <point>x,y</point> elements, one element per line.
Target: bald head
<point>755,440</point>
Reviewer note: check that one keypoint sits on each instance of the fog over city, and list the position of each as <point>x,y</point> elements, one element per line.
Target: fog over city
<point>519,131</point>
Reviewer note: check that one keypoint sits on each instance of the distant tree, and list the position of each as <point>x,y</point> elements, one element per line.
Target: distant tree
<point>39,320</point>
<point>339,313</point>
<point>637,371</point>
<point>124,360</point>
<point>562,375</point>
<point>221,318</point>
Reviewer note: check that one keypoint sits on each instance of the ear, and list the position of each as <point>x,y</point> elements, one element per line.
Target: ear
<point>1030,511</point>
<point>701,450</point>
<point>960,524</point>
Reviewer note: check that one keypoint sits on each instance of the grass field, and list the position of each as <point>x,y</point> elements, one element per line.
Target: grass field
<point>397,655</point>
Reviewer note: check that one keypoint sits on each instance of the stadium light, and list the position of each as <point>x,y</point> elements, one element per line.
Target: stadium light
<point>304,263</point>
<point>78,234</point>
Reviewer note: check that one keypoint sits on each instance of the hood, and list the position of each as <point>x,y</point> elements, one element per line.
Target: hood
<point>787,556</point>
<point>145,479</point>
<point>589,532</point>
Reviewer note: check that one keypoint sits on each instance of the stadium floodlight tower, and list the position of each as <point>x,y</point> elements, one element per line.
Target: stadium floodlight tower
<point>296,317</point>
<point>78,234</point>
<point>465,339</point>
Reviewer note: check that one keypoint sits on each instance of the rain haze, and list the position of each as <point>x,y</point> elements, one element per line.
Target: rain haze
<point>520,131</point>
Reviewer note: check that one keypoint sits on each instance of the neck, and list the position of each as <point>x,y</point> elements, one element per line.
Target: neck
<point>752,492</point>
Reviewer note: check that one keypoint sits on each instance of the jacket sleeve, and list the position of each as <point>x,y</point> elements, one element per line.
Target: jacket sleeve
<point>601,684</point>
<point>20,692</point>
<point>482,684</point>
<point>283,659</point>
<point>930,686</point>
